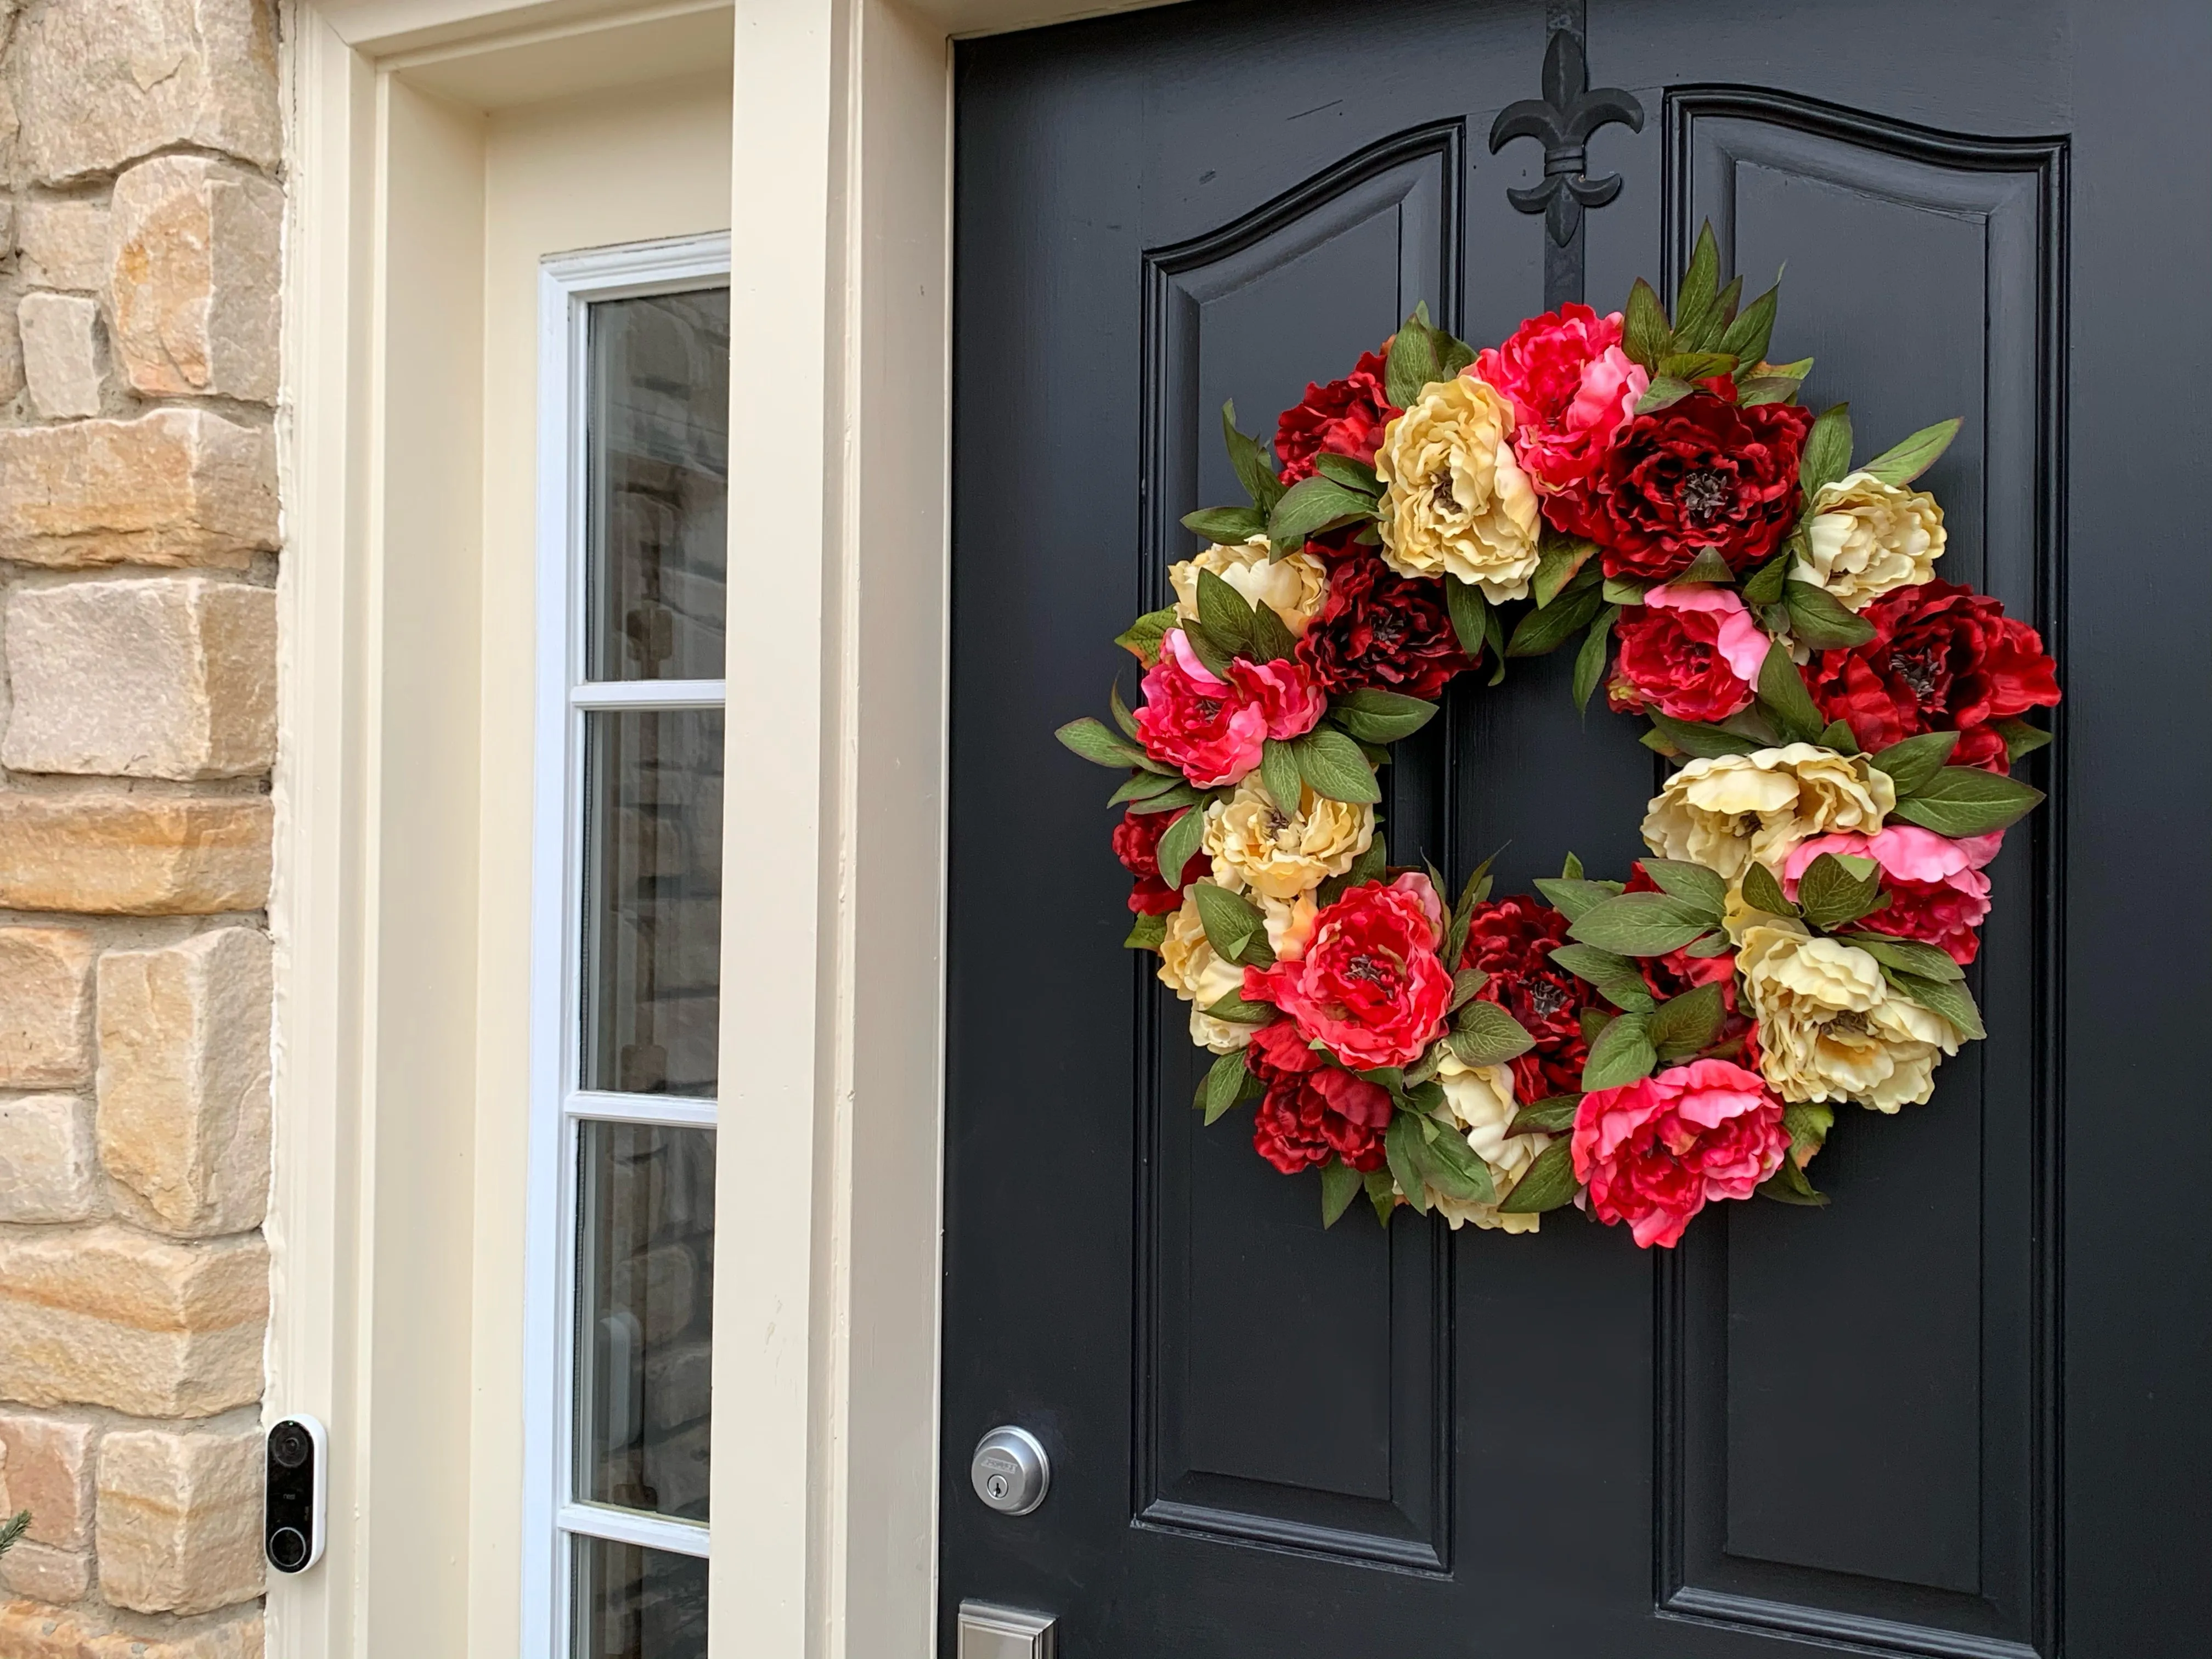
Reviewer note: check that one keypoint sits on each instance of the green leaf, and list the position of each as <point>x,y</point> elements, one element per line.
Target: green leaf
<point>1484,1034</point>
<point>1559,559</point>
<point>1949,998</point>
<point>1209,651</point>
<point>1570,868</point>
<point>1231,921</point>
<point>1452,1166</point>
<point>1682,1026</point>
<point>1789,1185</point>
<point>1590,660</point>
<point>1227,526</point>
<point>1614,975</point>
<point>1177,794</point>
<point>1766,388</point>
<point>1469,614</point>
<point>1908,460</point>
<point>1697,300</point>
<point>1764,586</point>
<point>1746,338</point>
<point>1272,639</point>
<point>1091,740</point>
<point>1807,1126</point>
<point>1331,763</point>
<point>1701,742</point>
<point>1830,893</point>
<point>1370,866</point>
<point>1412,366</point>
<point>1146,933</point>
<point>1312,505</point>
<point>1540,632</point>
<point>1839,736</point>
<point>2020,738</point>
<point>1351,473</point>
<point>1145,786</point>
<point>1465,983</point>
<point>1453,355</point>
<point>1592,1021</point>
<point>1965,800</point>
<point>1712,944</point>
<point>1696,364</point>
<point>1625,590</point>
<point>1377,716</point>
<point>1645,337</point>
<point>1340,1184</point>
<point>1236,1011</point>
<point>1179,845</point>
<point>1142,638</point>
<point>1664,392</point>
<point>1225,615</point>
<point>1574,897</point>
<point>1224,1085</point>
<point>1279,772</point>
<point>1828,454</point>
<point>1494,639</point>
<point>1382,1194</point>
<point>1691,883</point>
<point>1399,1142</point>
<point>1819,620</point>
<point>1907,955</point>
<point>1761,891</point>
<point>1641,923</point>
<point>1250,461</point>
<point>1621,1053</point>
<point>1917,760</point>
<point>1546,1184</point>
<point>1121,717</point>
<point>1553,1114</point>
<point>1708,567</point>
<point>1782,695</point>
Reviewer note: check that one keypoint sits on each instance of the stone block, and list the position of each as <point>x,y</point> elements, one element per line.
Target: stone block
<point>11,346</point>
<point>176,486</point>
<point>45,1467</point>
<point>48,1169</point>
<point>183,1079</point>
<point>45,1008</point>
<point>194,278</point>
<point>29,1630</point>
<point>46,1574</point>
<point>679,1384</point>
<point>171,677</point>
<point>179,1519</point>
<point>65,245</point>
<point>61,353</point>
<point>134,854</point>
<point>112,1316</point>
<point>101,82</point>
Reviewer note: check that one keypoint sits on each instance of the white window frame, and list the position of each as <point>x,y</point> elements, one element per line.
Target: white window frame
<point>569,285</point>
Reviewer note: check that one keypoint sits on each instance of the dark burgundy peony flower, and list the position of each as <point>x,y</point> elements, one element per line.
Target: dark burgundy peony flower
<point>1137,844</point>
<point>1280,1050</point>
<point>1306,1118</point>
<point>1699,473</point>
<point>1510,940</point>
<point>1943,658</point>
<point>1345,417</point>
<point>1380,628</point>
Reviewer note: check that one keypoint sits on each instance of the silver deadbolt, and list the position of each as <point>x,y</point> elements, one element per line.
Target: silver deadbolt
<point>1010,1470</point>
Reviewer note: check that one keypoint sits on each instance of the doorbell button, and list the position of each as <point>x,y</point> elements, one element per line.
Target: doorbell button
<point>295,1484</point>
<point>1010,1470</point>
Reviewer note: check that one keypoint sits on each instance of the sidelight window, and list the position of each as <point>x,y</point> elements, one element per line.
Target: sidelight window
<point>633,464</point>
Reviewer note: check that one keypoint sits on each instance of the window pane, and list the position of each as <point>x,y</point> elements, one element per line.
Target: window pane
<point>653,931</point>
<point>658,470</point>
<point>644,1311</point>
<point>637,1603</point>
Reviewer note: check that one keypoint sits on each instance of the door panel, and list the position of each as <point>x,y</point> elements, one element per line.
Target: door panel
<point>1840,1425</point>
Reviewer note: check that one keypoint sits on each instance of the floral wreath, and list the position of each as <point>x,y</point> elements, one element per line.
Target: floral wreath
<point>1846,720</point>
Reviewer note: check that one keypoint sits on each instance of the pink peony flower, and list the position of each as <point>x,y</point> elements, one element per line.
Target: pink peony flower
<point>1571,387</point>
<point>1655,1151</point>
<point>1937,891</point>
<point>1370,984</point>
<point>1691,651</point>
<point>1211,729</point>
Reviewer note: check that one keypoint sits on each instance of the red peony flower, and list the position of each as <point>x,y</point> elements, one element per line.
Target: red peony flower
<point>1277,1051</point>
<point>1345,417</point>
<point>1937,892</point>
<point>1699,473</point>
<point>1137,844</point>
<point>1692,652</point>
<point>1655,1151</point>
<point>1371,985</point>
<point>1510,940</point>
<point>1943,658</point>
<point>1212,729</point>
<point>1571,387</point>
<point>1380,628</point>
<point>1304,1118</point>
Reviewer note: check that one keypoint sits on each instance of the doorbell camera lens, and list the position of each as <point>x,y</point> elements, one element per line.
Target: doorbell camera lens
<point>294,1478</point>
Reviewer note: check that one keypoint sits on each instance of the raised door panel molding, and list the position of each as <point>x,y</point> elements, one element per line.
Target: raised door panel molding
<point>1913,1516</point>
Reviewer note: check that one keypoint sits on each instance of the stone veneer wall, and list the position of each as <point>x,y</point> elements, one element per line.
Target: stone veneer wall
<point>140,238</point>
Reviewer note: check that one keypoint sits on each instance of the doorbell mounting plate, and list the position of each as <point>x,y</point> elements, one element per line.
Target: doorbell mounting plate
<point>297,1461</point>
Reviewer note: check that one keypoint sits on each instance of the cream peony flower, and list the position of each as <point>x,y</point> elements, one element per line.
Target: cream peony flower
<point>1254,844</point>
<point>1479,1103</point>
<point>1869,537</point>
<point>1456,501</point>
<point>1727,810</point>
<point>1830,1027</point>
<point>1189,968</point>
<point>1296,585</point>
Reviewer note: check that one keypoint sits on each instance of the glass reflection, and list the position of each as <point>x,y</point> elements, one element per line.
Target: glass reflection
<point>637,1603</point>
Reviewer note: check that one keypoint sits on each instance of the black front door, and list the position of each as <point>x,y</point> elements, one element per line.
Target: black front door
<point>1962,1411</point>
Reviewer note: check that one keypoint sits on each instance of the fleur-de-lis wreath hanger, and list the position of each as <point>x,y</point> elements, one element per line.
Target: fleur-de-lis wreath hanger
<point>1564,118</point>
